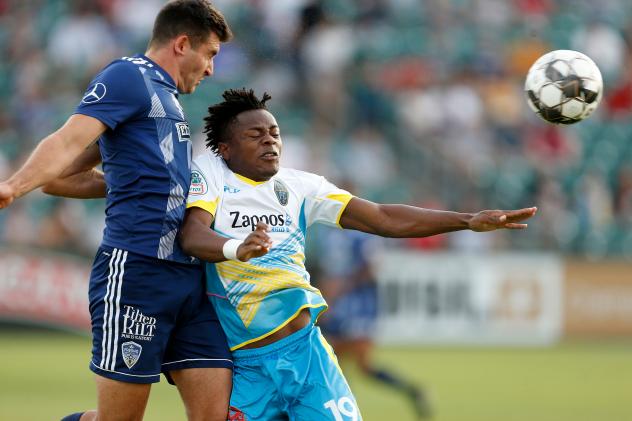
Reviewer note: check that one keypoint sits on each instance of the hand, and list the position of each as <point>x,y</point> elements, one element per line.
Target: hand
<point>7,194</point>
<point>490,220</point>
<point>256,244</point>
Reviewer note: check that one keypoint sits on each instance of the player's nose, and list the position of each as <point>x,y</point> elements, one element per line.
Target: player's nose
<point>208,70</point>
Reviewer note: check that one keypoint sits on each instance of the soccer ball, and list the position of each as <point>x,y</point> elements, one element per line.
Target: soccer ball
<point>563,86</point>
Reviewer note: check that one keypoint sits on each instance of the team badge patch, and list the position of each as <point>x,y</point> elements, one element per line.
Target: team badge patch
<point>281,192</point>
<point>198,184</point>
<point>131,353</point>
<point>184,132</point>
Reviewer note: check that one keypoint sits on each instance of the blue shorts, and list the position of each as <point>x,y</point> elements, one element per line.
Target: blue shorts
<point>151,316</point>
<point>296,378</point>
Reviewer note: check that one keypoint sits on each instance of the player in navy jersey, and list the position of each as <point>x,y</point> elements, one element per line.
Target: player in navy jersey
<point>147,302</point>
<point>247,217</point>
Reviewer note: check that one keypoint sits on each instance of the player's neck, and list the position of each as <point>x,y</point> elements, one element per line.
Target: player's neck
<point>161,57</point>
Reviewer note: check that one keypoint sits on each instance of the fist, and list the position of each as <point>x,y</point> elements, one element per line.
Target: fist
<point>7,194</point>
<point>257,244</point>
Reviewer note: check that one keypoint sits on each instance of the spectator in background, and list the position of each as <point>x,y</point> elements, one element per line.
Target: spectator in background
<point>604,44</point>
<point>83,39</point>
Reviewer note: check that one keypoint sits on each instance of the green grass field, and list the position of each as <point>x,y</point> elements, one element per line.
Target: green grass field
<point>44,375</point>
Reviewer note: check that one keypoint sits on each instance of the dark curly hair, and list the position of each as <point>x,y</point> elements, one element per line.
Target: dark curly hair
<point>194,18</point>
<point>236,101</point>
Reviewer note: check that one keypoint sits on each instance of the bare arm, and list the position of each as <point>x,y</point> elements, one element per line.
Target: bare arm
<point>409,221</point>
<point>81,180</point>
<point>199,240</point>
<point>52,156</point>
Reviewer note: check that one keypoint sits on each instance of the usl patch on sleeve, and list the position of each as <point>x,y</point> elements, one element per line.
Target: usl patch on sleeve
<point>198,184</point>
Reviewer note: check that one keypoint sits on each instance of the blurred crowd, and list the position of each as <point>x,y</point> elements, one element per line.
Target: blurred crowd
<point>413,101</point>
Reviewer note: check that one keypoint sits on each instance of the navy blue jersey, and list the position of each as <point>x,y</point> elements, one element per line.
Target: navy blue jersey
<point>146,154</point>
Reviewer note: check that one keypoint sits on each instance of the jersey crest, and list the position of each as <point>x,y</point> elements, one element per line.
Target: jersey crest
<point>131,353</point>
<point>281,192</point>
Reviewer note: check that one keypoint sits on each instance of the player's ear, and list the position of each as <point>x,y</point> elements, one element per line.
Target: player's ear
<point>180,44</point>
<point>224,150</point>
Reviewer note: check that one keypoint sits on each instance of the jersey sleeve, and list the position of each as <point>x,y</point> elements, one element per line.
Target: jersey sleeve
<point>326,203</point>
<point>206,184</point>
<point>117,94</point>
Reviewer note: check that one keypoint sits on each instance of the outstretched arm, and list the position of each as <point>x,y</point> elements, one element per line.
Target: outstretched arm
<point>199,240</point>
<point>52,156</point>
<point>81,180</point>
<point>409,221</point>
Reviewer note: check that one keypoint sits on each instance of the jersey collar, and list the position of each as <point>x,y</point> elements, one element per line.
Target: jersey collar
<point>248,180</point>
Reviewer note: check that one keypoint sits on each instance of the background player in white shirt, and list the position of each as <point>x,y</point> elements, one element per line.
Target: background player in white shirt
<point>247,217</point>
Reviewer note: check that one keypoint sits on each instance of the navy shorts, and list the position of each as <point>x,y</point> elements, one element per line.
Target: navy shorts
<point>353,315</point>
<point>151,316</point>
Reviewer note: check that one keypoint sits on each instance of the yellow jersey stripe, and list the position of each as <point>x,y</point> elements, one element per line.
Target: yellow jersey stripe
<point>264,283</point>
<point>248,307</point>
<point>269,277</point>
<point>248,180</point>
<point>210,207</point>
<point>342,198</point>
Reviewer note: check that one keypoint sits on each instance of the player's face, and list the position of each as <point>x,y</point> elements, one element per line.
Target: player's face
<point>197,63</point>
<point>254,145</point>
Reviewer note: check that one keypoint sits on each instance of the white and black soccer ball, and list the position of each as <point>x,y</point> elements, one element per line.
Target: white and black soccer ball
<point>564,86</point>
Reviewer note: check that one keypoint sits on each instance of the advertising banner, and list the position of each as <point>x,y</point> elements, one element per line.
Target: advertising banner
<point>44,289</point>
<point>598,299</point>
<point>446,298</point>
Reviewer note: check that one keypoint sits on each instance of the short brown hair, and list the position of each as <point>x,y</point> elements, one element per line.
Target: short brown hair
<point>194,18</point>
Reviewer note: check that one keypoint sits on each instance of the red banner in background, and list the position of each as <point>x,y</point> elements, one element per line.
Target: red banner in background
<point>45,289</point>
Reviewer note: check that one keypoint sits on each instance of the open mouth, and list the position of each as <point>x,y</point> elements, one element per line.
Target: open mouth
<point>270,155</point>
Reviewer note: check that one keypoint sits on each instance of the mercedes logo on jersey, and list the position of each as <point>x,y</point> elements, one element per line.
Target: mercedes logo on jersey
<point>95,94</point>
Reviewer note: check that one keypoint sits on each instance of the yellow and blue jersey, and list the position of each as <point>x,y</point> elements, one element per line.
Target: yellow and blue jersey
<point>256,298</point>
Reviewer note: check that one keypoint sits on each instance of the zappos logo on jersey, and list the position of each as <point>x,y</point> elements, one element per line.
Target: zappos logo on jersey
<point>198,183</point>
<point>250,221</point>
<point>184,133</point>
<point>95,94</point>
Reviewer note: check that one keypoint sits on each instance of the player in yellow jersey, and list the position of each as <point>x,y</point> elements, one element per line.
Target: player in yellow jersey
<point>247,217</point>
